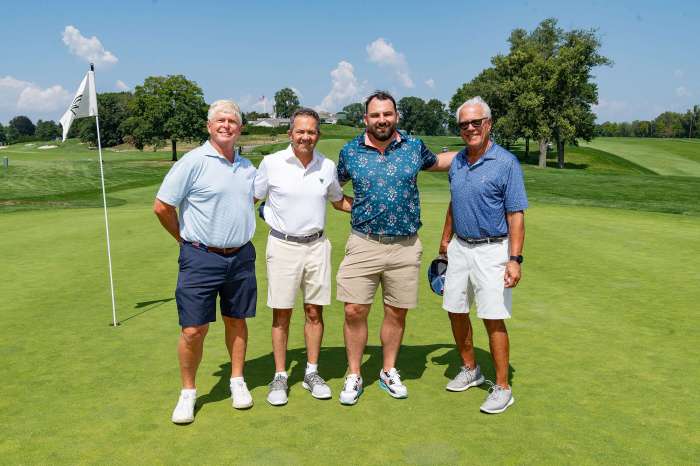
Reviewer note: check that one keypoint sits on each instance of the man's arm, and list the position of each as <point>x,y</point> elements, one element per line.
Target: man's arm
<point>516,239</point>
<point>446,232</point>
<point>344,205</point>
<point>444,160</point>
<point>167,215</point>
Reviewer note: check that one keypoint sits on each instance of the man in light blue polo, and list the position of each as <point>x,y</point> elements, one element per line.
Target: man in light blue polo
<point>486,214</point>
<point>212,187</point>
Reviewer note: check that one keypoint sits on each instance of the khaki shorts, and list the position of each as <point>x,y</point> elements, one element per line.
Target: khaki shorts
<point>292,266</point>
<point>368,263</point>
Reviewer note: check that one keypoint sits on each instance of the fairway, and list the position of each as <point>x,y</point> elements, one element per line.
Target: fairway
<point>679,157</point>
<point>603,342</point>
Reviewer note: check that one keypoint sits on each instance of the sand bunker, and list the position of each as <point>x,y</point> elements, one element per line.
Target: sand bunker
<point>46,147</point>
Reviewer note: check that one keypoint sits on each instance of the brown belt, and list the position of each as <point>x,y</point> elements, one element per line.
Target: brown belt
<point>221,251</point>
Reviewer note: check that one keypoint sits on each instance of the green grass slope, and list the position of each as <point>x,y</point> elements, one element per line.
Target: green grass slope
<point>679,157</point>
<point>602,341</point>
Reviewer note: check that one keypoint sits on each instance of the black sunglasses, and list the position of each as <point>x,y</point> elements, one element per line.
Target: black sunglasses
<point>464,125</point>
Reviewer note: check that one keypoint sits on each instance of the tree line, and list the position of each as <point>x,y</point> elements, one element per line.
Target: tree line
<point>542,90</point>
<point>666,125</point>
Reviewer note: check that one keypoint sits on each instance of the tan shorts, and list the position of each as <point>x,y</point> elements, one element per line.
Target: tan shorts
<point>368,263</point>
<point>292,266</point>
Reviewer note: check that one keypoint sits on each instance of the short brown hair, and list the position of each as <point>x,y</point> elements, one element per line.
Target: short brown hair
<point>379,95</point>
<point>309,112</point>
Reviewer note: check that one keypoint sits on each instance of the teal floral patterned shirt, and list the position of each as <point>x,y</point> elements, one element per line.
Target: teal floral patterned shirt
<point>386,196</point>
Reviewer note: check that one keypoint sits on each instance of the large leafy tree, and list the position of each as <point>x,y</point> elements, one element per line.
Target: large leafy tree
<point>166,108</point>
<point>286,101</point>
<point>23,125</point>
<point>435,118</point>
<point>412,111</point>
<point>114,111</point>
<point>47,130</point>
<point>3,137</point>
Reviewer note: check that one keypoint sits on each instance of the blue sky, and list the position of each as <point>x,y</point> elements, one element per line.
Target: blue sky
<point>331,52</point>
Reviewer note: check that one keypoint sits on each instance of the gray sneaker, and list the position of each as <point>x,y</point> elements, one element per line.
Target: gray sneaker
<point>317,386</point>
<point>498,400</point>
<point>466,378</point>
<point>277,395</point>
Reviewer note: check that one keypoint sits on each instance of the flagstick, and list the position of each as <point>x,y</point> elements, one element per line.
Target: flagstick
<point>104,203</point>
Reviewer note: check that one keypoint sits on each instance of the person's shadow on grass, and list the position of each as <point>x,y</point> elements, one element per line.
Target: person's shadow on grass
<point>412,362</point>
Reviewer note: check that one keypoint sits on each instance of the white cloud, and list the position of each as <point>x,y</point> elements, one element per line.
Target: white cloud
<point>344,89</point>
<point>610,106</point>
<point>383,53</point>
<point>248,103</point>
<point>121,85</point>
<point>298,93</point>
<point>678,73</point>
<point>16,94</point>
<point>35,99</point>
<point>89,49</point>
<point>682,91</point>
<point>430,83</point>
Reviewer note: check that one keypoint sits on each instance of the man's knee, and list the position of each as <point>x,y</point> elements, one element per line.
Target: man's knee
<point>356,312</point>
<point>495,326</point>
<point>395,314</point>
<point>281,318</point>
<point>313,314</point>
<point>194,334</point>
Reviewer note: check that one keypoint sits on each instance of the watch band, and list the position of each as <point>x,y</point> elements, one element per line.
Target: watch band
<point>518,259</point>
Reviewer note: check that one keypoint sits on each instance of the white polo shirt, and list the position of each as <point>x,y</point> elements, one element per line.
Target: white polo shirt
<point>296,196</point>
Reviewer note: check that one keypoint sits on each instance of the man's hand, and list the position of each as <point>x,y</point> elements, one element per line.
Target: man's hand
<point>442,251</point>
<point>512,275</point>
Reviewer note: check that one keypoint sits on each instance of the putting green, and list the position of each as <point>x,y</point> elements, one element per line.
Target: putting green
<point>603,352</point>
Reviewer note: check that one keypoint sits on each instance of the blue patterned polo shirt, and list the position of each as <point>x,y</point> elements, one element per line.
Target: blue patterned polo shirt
<point>386,196</point>
<point>482,193</point>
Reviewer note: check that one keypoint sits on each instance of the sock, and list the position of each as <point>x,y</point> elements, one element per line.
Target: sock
<point>236,379</point>
<point>283,374</point>
<point>311,368</point>
<point>188,391</point>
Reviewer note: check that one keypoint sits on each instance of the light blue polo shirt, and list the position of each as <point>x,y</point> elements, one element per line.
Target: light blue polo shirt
<point>214,197</point>
<point>484,192</point>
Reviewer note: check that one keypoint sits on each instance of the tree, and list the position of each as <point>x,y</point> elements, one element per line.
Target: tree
<point>412,111</point>
<point>3,137</point>
<point>435,118</point>
<point>286,101</point>
<point>114,111</point>
<point>668,125</point>
<point>47,130</point>
<point>354,114</point>
<point>166,107</point>
<point>23,125</point>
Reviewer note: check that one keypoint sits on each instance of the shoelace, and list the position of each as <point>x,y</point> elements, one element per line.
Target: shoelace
<point>278,383</point>
<point>355,383</point>
<point>394,379</point>
<point>316,379</point>
<point>494,390</point>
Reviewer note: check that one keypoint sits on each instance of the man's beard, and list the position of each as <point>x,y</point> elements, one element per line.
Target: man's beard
<point>385,136</point>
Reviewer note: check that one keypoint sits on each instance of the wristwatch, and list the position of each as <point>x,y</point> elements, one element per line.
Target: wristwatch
<point>518,259</point>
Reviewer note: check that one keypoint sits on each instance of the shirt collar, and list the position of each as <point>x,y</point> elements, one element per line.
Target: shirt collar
<point>292,156</point>
<point>490,154</point>
<point>208,150</point>
<point>364,139</point>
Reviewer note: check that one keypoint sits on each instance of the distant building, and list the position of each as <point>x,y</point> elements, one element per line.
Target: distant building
<point>270,122</point>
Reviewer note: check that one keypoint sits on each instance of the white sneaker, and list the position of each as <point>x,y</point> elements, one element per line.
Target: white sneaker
<point>184,410</point>
<point>352,389</point>
<point>240,396</point>
<point>277,396</point>
<point>391,383</point>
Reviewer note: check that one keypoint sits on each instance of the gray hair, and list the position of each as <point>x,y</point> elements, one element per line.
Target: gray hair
<point>224,106</point>
<point>307,112</point>
<point>475,101</point>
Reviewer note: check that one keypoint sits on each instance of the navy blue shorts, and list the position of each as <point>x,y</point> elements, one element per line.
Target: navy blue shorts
<point>205,275</point>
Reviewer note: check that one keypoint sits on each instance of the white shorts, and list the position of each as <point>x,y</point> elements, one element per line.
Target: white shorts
<point>475,273</point>
<point>292,266</point>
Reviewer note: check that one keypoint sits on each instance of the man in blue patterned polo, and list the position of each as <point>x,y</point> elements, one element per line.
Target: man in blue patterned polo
<point>486,215</point>
<point>383,247</point>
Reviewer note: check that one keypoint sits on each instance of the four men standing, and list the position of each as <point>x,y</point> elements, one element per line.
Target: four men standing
<point>214,190</point>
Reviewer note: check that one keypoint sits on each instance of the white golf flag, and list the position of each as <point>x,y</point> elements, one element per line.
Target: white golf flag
<point>84,103</point>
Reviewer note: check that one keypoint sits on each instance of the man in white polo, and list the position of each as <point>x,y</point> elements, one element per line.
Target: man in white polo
<point>487,217</point>
<point>297,182</point>
<point>212,188</point>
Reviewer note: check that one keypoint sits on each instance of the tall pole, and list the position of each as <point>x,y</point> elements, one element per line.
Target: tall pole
<point>104,203</point>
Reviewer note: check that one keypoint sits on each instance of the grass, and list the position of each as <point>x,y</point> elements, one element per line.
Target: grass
<point>680,157</point>
<point>603,339</point>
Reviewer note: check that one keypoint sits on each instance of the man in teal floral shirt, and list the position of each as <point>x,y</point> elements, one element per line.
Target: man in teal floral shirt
<point>383,247</point>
